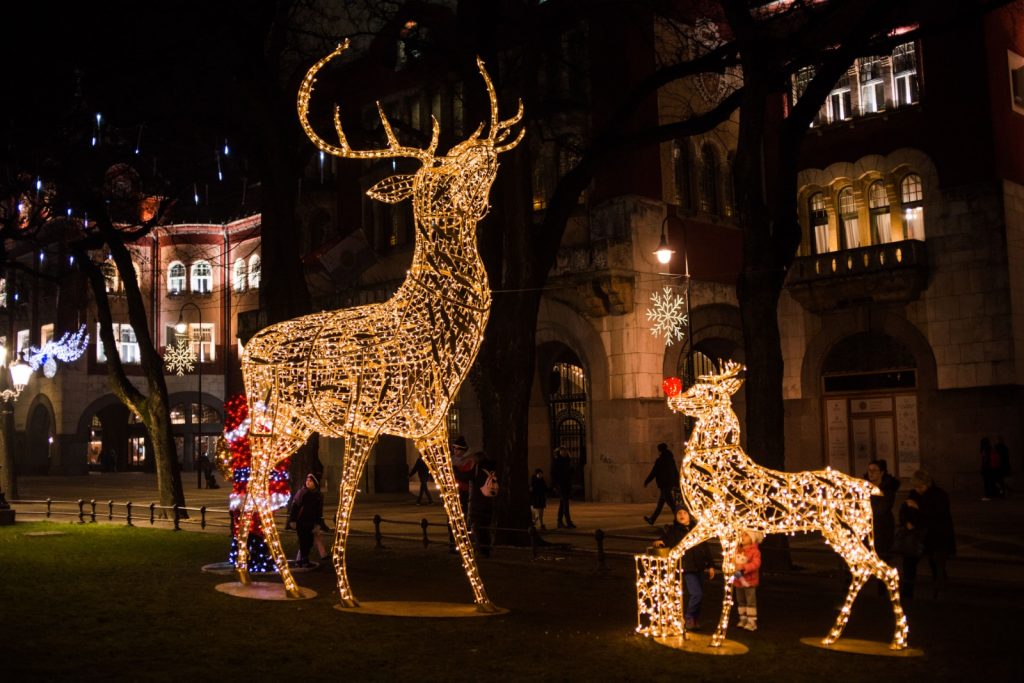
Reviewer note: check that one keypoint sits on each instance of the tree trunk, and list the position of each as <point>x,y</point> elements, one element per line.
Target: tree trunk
<point>8,477</point>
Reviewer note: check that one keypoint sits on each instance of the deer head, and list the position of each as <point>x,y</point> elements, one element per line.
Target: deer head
<point>456,183</point>
<point>708,392</point>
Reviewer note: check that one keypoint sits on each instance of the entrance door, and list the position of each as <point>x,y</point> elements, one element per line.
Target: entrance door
<point>568,403</point>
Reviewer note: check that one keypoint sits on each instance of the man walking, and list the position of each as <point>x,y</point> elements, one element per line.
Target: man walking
<point>665,474</point>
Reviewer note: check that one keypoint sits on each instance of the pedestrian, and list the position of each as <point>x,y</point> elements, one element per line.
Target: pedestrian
<point>561,477</point>
<point>307,511</point>
<point>665,474</point>
<point>202,463</point>
<point>989,466</point>
<point>538,498</point>
<point>462,470</point>
<point>884,523</point>
<point>926,525</point>
<point>481,502</point>
<point>747,577</point>
<point>696,561</point>
<point>1003,472</point>
<point>420,468</point>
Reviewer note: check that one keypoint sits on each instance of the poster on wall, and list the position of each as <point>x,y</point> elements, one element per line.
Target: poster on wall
<point>861,428</point>
<point>906,435</point>
<point>837,436</point>
<point>885,440</point>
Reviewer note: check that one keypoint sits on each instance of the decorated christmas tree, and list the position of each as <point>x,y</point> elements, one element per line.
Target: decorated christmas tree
<point>238,463</point>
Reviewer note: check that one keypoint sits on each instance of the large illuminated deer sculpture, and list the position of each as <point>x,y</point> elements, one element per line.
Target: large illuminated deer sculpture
<point>728,492</point>
<point>387,368</point>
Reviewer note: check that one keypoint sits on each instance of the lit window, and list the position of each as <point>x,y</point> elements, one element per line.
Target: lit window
<point>912,199</point>
<point>127,344</point>
<point>708,179</point>
<point>850,231</point>
<point>176,278</point>
<point>45,334</point>
<point>23,340</point>
<point>110,278</point>
<point>3,292</point>
<point>904,74</point>
<point>202,339</point>
<point>819,222</point>
<point>202,277</point>
<point>840,105</point>
<point>238,275</point>
<point>872,85</point>
<point>878,207</point>
<point>254,271</point>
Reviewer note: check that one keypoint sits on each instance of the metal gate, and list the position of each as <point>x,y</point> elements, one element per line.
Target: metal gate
<point>568,405</point>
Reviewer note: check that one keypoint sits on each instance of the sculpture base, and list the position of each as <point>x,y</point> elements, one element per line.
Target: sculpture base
<point>228,569</point>
<point>427,610</point>
<point>863,647</point>
<point>700,644</point>
<point>262,590</point>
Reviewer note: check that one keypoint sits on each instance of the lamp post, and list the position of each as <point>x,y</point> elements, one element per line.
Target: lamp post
<point>182,328</point>
<point>20,373</point>
<point>664,254</point>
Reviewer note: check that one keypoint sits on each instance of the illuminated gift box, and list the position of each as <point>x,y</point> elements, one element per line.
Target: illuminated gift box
<point>659,594</point>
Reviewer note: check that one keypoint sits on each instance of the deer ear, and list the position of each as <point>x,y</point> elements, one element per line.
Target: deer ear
<point>392,189</point>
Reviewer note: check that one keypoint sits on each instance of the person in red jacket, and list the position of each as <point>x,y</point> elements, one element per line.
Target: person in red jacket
<point>747,577</point>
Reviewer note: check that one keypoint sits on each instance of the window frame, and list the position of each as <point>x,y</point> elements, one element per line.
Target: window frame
<point>240,275</point>
<point>255,271</point>
<point>877,211</point>
<point>196,279</point>
<point>171,277</point>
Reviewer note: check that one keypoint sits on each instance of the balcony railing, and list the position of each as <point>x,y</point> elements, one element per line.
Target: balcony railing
<point>881,273</point>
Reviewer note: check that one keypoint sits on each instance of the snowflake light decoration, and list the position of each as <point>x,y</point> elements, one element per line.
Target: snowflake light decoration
<point>180,358</point>
<point>668,313</point>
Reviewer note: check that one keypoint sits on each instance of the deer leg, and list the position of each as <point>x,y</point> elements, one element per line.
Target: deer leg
<point>260,483</point>
<point>434,448</point>
<point>856,559</point>
<point>243,528</point>
<point>357,449</point>
<point>698,534</point>
<point>891,578</point>
<point>729,547</point>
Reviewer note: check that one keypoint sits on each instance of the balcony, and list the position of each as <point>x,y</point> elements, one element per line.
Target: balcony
<point>883,273</point>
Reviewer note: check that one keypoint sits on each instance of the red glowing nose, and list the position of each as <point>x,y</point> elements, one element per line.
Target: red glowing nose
<point>672,386</point>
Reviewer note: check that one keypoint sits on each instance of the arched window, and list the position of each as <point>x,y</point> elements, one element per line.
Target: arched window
<point>819,222</point>
<point>176,278</point>
<point>878,207</point>
<point>709,179</point>
<point>110,278</point>
<point>912,199</point>
<point>849,230</point>
<point>254,271</point>
<point>202,277</point>
<point>682,166</point>
<point>238,275</point>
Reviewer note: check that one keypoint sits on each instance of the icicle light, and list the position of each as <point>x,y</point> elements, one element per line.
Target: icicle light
<point>388,368</point>
<point>728,493</point>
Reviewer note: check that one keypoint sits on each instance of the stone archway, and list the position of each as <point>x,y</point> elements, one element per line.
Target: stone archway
<point>38,441</point>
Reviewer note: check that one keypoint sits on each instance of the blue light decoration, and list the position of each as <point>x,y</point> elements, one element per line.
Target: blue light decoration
<point>67,349</point>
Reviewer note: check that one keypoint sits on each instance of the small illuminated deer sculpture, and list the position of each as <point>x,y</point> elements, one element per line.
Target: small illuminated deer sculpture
<point>387,368</point>
<point>728,492</point>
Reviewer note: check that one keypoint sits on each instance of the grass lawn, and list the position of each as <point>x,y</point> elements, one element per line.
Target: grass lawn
<point>104,602</point>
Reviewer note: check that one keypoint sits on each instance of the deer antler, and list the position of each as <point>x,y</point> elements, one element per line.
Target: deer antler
<point>499,130</point>
<point>343,149</point>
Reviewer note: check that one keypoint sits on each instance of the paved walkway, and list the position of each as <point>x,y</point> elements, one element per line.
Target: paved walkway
<point>990,535</point>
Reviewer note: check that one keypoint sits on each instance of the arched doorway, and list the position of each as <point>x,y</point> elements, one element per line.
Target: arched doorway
<point>39,441</point>
<point>196,429</point>
<point>869,391</point>
<point>567,400</point>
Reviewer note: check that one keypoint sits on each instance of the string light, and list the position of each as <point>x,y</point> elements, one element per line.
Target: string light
<point>659,595</point>
<point>729,493</point>
<point>393,367</point>
<point>67,349</point>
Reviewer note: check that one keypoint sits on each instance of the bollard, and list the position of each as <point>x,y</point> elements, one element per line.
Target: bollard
<point>128,509</point>
<point>81,511</point>
<point>110,510</point>
<point>177,518</point>
<point>49,505</point>
<point>376,531</point>
<point>202,517</point>
<point>92,505</point>
<point>152,513</point>
<point>599,537</point>
<point>424,524</point>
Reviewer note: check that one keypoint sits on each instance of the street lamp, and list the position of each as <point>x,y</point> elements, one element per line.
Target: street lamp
<point>20,373</point>
<point>664,252</point>
<point>182,328</point>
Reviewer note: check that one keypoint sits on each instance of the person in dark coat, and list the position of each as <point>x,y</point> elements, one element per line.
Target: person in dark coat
<point>307,511</point>
<point>420,468</point>
<point>881,506</point>
<point>481,502</point>
<point>696,561</point>
<point>561,475</point>
<point>462,469</point>
<point>926,516</point>
<point>538,498</point>
<point>664,473</point>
